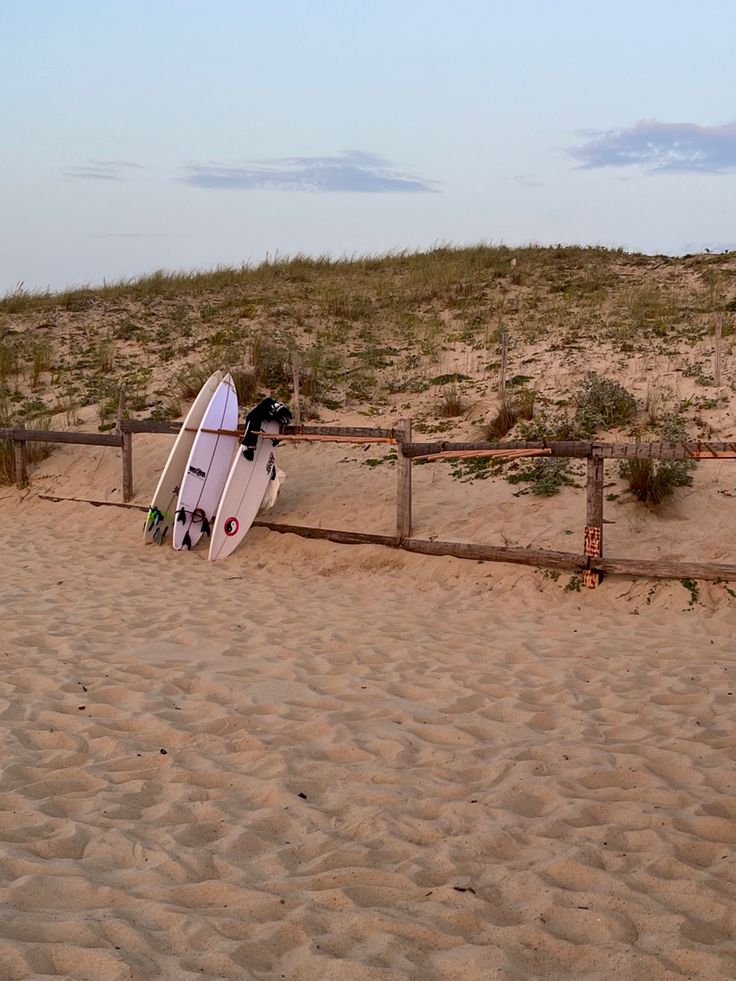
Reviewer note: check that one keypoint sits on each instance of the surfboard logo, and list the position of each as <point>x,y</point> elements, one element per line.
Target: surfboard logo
<point>196,472</point>
<point>231,526</point>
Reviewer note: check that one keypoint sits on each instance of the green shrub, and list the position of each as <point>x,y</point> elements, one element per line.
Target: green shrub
<point>191,380</point>
<point>602,403</point>
<point>270,356</point>
<point>246,386</point>
<point>653,481</point>
<point>451,404</point>
<point>34,451</point>
<point>550,427</point>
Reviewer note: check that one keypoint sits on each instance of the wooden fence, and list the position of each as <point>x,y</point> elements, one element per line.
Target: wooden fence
<point>590,564</point>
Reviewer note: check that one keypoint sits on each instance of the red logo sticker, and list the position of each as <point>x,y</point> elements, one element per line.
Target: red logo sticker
<point>231,527</point>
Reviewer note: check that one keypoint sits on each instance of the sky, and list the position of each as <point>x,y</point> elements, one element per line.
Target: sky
<point>186,134</point>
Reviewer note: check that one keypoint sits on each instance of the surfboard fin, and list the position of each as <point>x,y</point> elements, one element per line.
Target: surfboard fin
<point>181,515</point>
<point>187,543</point>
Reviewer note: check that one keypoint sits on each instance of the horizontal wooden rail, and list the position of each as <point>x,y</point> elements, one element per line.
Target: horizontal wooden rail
<point>164,427</point>
<point>50,436</point>
<point>576,448</point>
<point>172,428</point>
<point>585,448</point>
<point>666,569</point>
<point>665,451</point>
<point>545,558</point>
<point>286,437</point>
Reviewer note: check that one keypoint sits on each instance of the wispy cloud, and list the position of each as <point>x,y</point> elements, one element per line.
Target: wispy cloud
<point>662,147</point>
<point>528,180</point>
<point>103,170</point>
<point>129,235</point>
<point>350,170</point>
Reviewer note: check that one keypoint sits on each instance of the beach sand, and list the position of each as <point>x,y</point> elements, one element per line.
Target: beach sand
<point>315,761</point>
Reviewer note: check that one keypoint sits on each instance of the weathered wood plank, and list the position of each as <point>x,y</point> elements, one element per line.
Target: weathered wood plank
<point>286,437</point>
<point>296,378</point>
<point>50,436</point>
<point>593,542</point>
<point>169,427</point>
<point>546,559</point>
<point>485,553</point>
<point>403,482</point>
<point>665,451</point>
<point>94,503</point>
<point>578,448</point>
<point>332,535</point>
<point>21,463</point>
<point>166,427</point>
<point>127,466</point>
<point>666,568</point>
<point>492,454</point>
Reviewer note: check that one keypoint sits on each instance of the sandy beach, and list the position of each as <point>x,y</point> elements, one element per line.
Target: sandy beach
<point>316,761</point>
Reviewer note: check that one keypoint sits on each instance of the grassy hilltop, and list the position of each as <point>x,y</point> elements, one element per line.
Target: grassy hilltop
<point>406,334</point>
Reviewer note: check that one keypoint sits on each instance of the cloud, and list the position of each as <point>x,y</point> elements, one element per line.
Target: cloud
<point>662,147</point>
<point>350,170</point>
<point>129,235</point>
<point>103,170</point>
<point>528,180</point>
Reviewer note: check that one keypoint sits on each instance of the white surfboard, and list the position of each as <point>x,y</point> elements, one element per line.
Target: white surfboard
<point>160,517</point>
<point>207,467</point>
<point>243,493</point>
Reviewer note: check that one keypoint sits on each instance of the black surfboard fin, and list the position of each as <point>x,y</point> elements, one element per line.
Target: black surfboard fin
<point>187,543</point>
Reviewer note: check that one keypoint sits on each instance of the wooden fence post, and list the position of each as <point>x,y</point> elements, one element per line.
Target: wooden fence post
<point>21,463</point>
<point>126,442</point>
<point>296,376</point>
<point>403,488</point>
<point>127,445</point>
<point>504,364</point>
<point>593,545</point>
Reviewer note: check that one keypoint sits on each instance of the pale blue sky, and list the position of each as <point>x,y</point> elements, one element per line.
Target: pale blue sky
<point>181,134</point>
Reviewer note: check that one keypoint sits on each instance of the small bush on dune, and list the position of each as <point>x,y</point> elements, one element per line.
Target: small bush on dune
<point>271,360</point>
<point>35,452</point>
<point>451,404</point>
<point>602,403</point>
<point>191,380</point>
<point>653,481</point>
<point>519,407</point>
<point>246,386</point>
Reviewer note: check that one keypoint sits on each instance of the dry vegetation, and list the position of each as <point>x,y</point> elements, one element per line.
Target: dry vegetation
<point>404,334</point>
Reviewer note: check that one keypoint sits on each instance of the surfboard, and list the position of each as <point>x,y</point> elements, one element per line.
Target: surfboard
<point>161,513</point>
<point>246,485</point>
<point>207,467</point>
